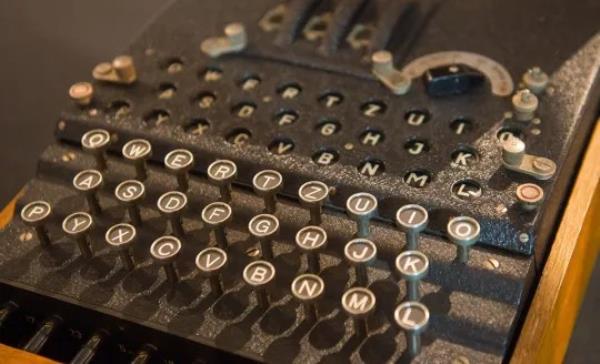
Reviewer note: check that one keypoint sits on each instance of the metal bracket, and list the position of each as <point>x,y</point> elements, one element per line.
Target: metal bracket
<point>235,40</point>
<point>121,70</point>
<point>515,159</point>
<point>383,69</point>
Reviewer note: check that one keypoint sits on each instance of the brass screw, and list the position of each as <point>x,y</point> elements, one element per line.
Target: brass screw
<point>492,264</point>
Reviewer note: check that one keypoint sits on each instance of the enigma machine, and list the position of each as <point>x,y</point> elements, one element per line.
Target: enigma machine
<point>384,181</point>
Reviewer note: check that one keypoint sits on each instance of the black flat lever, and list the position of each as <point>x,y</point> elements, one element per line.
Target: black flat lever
<point>452,80</point>
<point>296,15</point>
<point>344,15</point>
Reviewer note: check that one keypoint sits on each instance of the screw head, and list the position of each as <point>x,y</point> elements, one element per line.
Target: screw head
<point>358,302</point>
<point>179,160</point>
<point>216,214</point>
<point>463,230</point>
<point>259,273</point>
<point>95,140</point>
<point>360,251</point>
<point>313,192</point>
<point>311,238</point>
<point>222,172</point>
<point>412,317</point>
<point>307,287</point>
<point>267,182</point>
<point>130,191</point>
<point>361,205</point>
<point>412,218</point>
<point>264,226</point>
<point>172,202</point>
<point>412,265</point>
<point>89,180</point>
<point>137,149</point>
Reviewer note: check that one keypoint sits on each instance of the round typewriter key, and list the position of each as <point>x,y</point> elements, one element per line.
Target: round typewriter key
<point>313,195</point>
<point>259,274</point>
<point>97,142</point>
<point>138,151</point>
<point>216,216</point>
<point>413,318</point>
<point>412,219</point>
<point>361,207</point>
<point>530,196</point>
<point>171,204</point>
<point>180,162</point>
<point>359,302</point>
<point>307,288</point>
<point>311,240</point>
<point>221,173</point>
<point>131,193</point>
<point>267,184</point>
<point>36,214</point>
<point>88,182</point>
<point>464,232</point>
<point>122,237</point>
<point>360,253</point>
<point>210,263</point>
<point>78,225</point>
<point>264,228</point>
<point>412,266</point>
<point>165,250</point>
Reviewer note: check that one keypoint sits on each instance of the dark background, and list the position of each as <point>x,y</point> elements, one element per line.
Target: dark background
<point>45,46</point>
